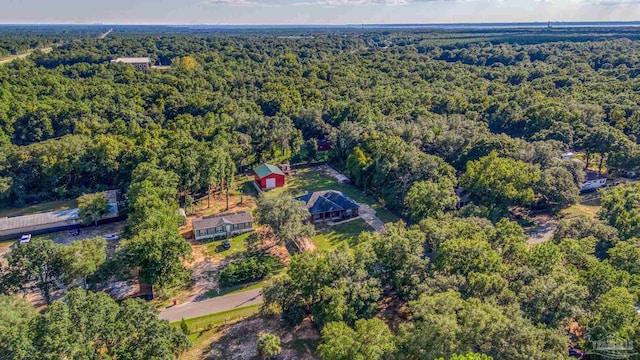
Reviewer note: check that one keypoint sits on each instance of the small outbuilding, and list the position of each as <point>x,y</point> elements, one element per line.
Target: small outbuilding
<point>269,176</point>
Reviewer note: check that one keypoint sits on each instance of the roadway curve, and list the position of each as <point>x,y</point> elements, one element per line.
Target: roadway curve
<point>211,306</point>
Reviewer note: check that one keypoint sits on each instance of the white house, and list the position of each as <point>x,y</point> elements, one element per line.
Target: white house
<point>593,181</point>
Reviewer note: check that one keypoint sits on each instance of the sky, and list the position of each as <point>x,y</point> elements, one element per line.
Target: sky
<point>312,12</point>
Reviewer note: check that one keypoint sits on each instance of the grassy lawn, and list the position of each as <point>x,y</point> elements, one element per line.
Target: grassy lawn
<point>235,289</point>
<point>329,238</point>
<point>313,179</point>
<point>199,325</point>
<point>216,250</point>
<point>589,205</point>
<point>38,208</point>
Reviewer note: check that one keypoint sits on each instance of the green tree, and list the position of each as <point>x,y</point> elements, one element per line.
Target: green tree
<point>268,345</point>
<point>469,356</point>
<point>626,256</point>
<point>288,217</point>
<point>557,189</point>
<point>621,209</point>
<point>498,182</point>
<point>83,258</point>
<point>160,254</point>
<point>16,328</point>
<point>430,199</point>
<point>87,323</point>
<point>368,340</point>
<point>39,260</point>
<point>92,208</point>
<point>184,327</point>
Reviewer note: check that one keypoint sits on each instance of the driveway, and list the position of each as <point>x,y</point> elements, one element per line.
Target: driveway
<point>211,306</point>
<point>369,215</point>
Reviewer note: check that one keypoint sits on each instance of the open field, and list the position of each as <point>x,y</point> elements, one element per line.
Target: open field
<point>216,250</point>
<point>589,205</point>
<point>329,238</point>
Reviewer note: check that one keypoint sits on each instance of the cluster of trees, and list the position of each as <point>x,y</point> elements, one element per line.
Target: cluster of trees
<point>86,325</point>
<point>73,123</point>
<point>154,244</point>
<point>470,286</point>
<point>47,265</point>
<point>251,267</point>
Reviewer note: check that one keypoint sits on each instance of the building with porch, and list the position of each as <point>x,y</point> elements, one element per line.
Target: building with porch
<point>222,226</point>
<point>329,205</point>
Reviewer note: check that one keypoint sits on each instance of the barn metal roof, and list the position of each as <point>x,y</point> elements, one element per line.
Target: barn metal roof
<point>266,170</point>
<point>18,222</point>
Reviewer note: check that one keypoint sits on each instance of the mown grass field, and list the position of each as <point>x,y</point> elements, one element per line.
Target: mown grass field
<point>331,237</point>
<point>216,250</point>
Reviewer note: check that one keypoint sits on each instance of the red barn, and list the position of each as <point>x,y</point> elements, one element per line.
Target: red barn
<point>269,176</point>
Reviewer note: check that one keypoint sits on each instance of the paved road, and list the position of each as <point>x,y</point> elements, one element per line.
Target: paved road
<point>211,306</point>
<point>102,36</point>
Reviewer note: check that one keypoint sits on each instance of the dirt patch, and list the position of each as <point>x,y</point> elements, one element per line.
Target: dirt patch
<point>239,341</point>
<point>205,270</point>
<point>544,227</point>
<point>65,237</point>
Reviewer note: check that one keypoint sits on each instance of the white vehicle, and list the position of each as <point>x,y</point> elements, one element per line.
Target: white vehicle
<point>24,239</point>
<point>593,184</point>
<point>112,237</point>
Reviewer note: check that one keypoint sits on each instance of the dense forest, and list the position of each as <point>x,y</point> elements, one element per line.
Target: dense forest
<point>417,118</point>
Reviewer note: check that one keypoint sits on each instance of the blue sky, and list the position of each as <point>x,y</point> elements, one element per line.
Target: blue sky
<point>310,12</point>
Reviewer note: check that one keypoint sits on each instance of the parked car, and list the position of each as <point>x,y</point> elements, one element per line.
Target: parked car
<point>226,244</point>
<point>112,237</point>
<point>24,239</point>
<point>573,352</point>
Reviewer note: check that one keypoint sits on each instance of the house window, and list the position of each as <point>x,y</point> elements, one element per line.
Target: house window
<point>349,212</point>
<point>316,216</point>
<point>336,213</point>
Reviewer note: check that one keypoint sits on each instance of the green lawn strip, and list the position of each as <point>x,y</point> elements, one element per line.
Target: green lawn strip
<point>200,326</point>
<point>331,237</point>
<point>235,289</point>
<point>216,250</point>
<point>38,208</point>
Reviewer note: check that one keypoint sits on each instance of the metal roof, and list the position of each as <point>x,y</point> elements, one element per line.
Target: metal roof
<point>266,170</point>
<point>70,216</point>
<point>132,60</point>
<point>209,222</point>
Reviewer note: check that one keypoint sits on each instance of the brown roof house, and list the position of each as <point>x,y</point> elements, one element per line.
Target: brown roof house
<point>222,226</point>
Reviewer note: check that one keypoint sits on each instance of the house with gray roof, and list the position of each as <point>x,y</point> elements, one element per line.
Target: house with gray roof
<point>329,205</point>
<point>222,226</point>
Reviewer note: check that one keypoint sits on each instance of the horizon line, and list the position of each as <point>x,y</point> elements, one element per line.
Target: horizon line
<point>330,25</point>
